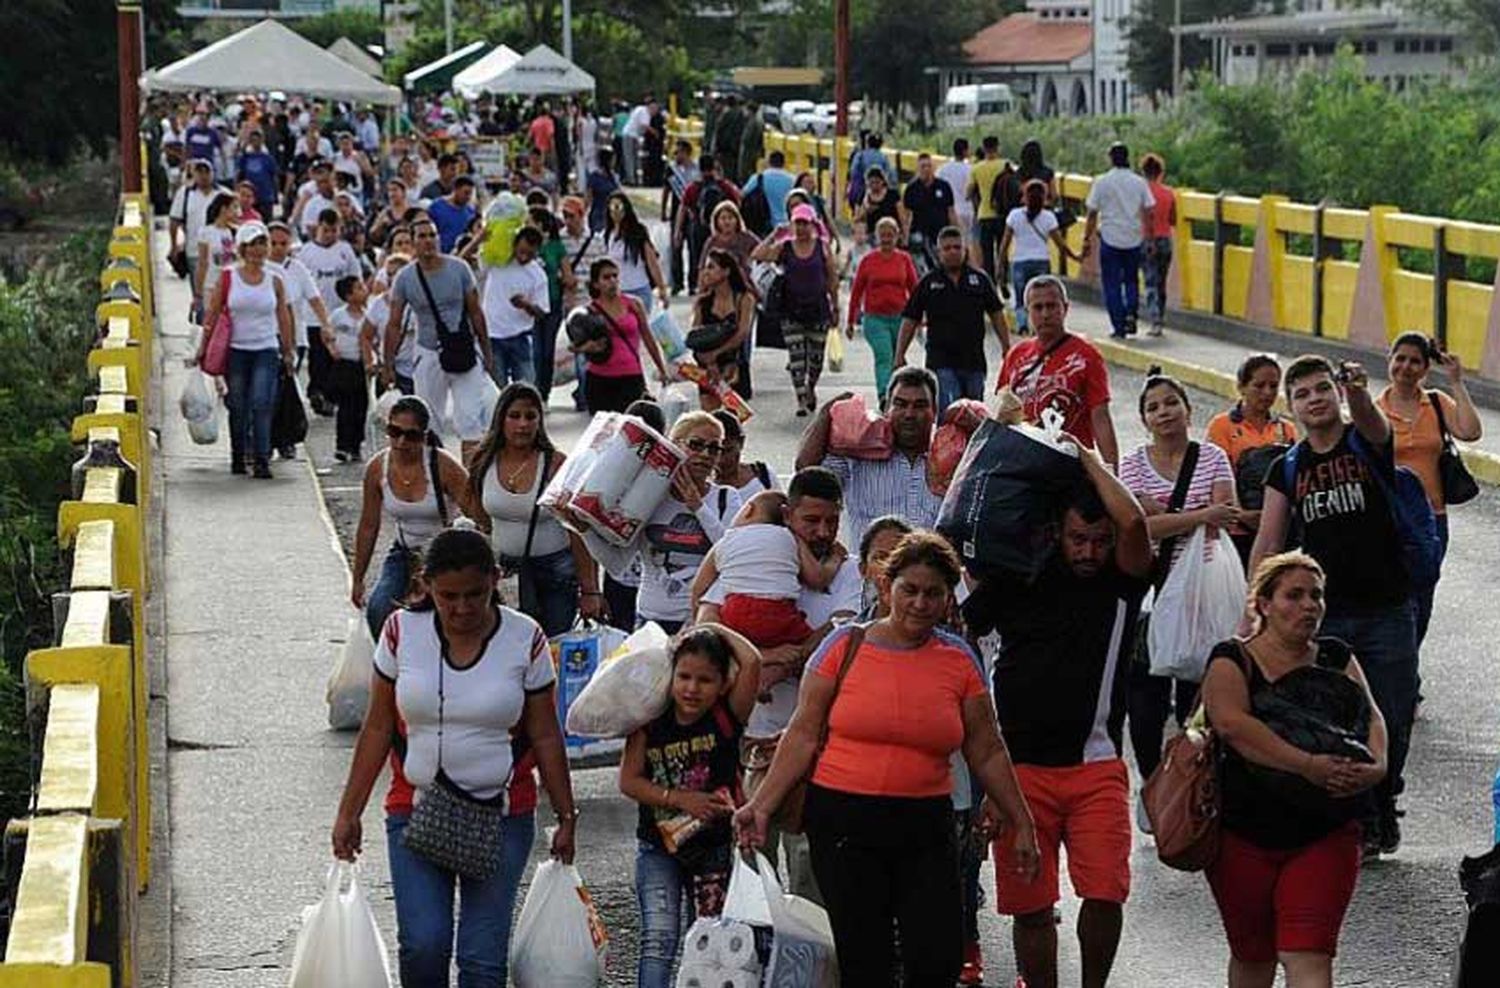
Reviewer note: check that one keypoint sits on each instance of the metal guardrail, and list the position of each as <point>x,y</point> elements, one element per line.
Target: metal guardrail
<point>1358,275</point>
<point>85,851</point>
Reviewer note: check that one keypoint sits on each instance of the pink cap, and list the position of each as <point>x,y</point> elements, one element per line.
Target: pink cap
<point>802,211</point>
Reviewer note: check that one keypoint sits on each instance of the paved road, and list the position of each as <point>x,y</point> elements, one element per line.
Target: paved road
<point>255,611</point>
<point>1407,912</point>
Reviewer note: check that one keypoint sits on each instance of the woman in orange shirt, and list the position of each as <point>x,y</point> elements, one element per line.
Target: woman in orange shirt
<point>1159,247</point>
<point>878,812</point>
<point>1252,435</point>
<point>1419,417</point>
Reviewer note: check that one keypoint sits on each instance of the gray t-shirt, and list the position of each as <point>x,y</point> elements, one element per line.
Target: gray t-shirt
<point>449,285</point>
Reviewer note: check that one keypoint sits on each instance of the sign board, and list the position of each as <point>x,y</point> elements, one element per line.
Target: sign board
<point>489,160</point>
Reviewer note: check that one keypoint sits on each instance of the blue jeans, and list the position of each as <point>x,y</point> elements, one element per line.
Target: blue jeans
<point>424,911</point>
<point>1385,642</point>
<point>1424,597</point>
<point>955,383</point>
<point>664,894</point>
<point>252,379</point>
<point>390,586</point>
<point>515,359</point>
<point>1120,276</point>
<point>1158,263</point>
<point>549,589</point>
<point>1021,272</point>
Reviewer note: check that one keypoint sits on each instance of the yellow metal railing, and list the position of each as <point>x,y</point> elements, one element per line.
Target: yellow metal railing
<point>87,843</point>
<point>1298,267</point>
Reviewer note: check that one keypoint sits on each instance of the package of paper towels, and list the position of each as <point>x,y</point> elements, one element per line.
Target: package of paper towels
<point>719,953</point>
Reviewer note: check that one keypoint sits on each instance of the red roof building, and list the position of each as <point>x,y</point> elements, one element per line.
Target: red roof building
<point>1044,54</point>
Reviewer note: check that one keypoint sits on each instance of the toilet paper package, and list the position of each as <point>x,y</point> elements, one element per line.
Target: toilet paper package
<point>719,953</point>
<point>618,474</point>
<point>561,488</point>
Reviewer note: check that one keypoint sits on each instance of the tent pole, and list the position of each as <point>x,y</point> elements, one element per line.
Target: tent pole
<point>567,39</point>
<point>448,24</point>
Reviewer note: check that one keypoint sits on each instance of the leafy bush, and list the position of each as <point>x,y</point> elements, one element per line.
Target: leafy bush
<point>46,329</point>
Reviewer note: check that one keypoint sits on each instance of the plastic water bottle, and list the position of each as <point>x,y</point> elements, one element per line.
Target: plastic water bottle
<point>1495,796</point>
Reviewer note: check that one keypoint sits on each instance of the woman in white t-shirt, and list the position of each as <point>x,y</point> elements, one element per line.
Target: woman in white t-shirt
<point>1030,228</point>
<point>213,248</point>
<point>460,675</point>
<point>1151,471</point>
<point>749,479</point>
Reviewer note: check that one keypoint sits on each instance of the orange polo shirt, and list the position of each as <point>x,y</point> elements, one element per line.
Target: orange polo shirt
<point>1419,442</point>
<point>1235,438</point>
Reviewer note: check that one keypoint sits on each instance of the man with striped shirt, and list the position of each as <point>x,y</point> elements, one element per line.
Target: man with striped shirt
<point>894,486</point>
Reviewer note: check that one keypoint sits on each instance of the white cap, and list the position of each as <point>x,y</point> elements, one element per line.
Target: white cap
<point>249,232</point>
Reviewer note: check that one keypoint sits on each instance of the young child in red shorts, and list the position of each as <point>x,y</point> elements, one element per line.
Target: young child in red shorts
<point>764,568</point>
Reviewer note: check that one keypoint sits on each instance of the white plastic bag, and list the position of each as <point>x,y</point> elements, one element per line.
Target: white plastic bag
<point>676,399</point>
<point>1199,606</point>
<point>340,943</point>
<point>380,414</point>
<point>629,690</point>
<point>348,692</point>
<point>559,941</point>
<point>802,952</point>
<point>200,410</point>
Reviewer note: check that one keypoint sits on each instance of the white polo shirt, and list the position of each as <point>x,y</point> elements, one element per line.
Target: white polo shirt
<point>1119,195</point>
<point>500,285</point>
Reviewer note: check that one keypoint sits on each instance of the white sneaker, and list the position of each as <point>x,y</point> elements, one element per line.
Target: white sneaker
<point>1142,821</point>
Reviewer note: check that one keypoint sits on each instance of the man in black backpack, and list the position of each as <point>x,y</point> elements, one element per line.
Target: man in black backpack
<point>696,217</point>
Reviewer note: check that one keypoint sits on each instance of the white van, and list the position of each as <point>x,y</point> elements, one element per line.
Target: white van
<point>967,105</point>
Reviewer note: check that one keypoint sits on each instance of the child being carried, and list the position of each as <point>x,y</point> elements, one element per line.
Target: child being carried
<point>764,568</point>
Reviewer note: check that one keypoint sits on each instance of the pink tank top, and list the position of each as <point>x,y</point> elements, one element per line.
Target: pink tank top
<point>625,355</point>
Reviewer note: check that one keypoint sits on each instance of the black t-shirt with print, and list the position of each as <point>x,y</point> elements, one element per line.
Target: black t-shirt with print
<point>1061,674</point>
<point>955,312</point>
<point>697,757</point>
<point>1342,518</point>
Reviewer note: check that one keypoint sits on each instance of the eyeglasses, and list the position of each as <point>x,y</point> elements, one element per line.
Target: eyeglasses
<point>411,435</point>
<point>703,446</point>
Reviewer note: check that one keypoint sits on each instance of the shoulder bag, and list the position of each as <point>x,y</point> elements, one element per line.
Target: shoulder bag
<point>1183,796</point>
<point>1459,486</point>
<point>216,353</point>
<point>758,753</point>
<point>455,350</point>
<point>511,568</point>
<point>450,827</point>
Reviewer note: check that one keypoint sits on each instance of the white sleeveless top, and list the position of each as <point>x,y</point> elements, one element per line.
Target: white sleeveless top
<point>479,704</point>
<point>510,516</point>
<point>252,312</point>
<point>416,521</point>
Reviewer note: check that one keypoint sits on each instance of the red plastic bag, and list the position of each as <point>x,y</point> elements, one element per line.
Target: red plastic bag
<point>950,440</point>
<point>856,432</point>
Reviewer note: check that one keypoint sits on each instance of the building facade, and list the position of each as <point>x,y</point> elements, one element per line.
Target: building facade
<point>1044,53</point>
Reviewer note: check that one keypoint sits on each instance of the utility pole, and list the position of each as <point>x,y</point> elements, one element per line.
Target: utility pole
<point>129,38</point>
<point>448,24</point>
<point>567,15</point>
<point>1176,49</point>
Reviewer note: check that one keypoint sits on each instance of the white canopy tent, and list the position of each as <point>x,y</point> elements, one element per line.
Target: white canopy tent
<point>268,56</point>
<point>540,72</point>
<point>356,56</point>
<point>475,78</point>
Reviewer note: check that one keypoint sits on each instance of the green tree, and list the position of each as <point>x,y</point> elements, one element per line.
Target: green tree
<point>359,25</point>
<point>58,77</point>
<point>895,45</point>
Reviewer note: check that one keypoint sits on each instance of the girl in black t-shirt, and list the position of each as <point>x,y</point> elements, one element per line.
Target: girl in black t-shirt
<point>683,769</point>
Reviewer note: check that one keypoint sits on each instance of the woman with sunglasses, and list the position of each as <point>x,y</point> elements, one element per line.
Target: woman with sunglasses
<point>679,532</point>
<point>399,484</point>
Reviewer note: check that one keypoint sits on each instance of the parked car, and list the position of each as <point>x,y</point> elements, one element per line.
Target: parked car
<point>790,110</point>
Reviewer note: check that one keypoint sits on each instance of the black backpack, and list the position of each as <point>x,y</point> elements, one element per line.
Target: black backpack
<point>710,194</point>
<point>755,210</point>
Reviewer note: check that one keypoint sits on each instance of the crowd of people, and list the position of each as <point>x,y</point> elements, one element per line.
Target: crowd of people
<point>845,694</point>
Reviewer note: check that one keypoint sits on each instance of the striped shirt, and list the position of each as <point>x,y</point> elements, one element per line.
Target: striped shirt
<point>897,486</point>
<point>1137,474</point>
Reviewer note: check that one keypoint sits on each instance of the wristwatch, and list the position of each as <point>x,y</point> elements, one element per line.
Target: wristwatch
<point>569,817</point>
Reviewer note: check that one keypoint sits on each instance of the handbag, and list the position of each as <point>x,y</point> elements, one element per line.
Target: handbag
<point>711,335</point>
<point>1459,486</point>
<point>216,352</point>
<point>450,827</point>
<point>1183,795</point>
<point>455,350</point>
<point>756,754</point>
<point>510,568</point>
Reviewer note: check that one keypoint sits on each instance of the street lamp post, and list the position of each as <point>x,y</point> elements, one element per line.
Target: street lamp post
<point>1176,48</point>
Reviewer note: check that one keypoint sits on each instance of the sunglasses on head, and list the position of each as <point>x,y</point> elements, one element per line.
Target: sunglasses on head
<point>413,435</point>
<point>703,446</point>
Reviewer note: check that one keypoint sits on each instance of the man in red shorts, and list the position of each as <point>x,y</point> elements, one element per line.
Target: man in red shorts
<point>1061,370</point>
<point>1060,683</point>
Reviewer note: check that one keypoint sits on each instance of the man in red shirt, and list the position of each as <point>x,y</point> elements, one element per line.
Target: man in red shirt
<point>542,132</point>
<point>1058,369</point>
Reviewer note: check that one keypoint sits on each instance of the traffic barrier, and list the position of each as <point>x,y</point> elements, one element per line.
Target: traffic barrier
<point>1359,275</point>
<point>85,851</point>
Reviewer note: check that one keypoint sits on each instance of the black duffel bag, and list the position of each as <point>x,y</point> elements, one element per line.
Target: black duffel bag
<point>289,420</point>
<point>1001,511</point>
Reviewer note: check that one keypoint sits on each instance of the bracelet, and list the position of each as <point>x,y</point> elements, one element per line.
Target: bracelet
<point>666,797</point>
<point>590,593</point>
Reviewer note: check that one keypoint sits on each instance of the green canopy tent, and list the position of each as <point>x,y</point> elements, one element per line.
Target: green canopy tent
<point>436,77</point>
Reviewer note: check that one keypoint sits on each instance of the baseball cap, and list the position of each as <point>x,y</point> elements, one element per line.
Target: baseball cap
<point>804,212</point>
<point>249,232</point>
<point>202,163</point>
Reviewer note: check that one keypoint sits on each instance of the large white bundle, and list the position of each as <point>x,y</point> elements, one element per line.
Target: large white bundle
<point>629,691</point>
<point>624,475</point>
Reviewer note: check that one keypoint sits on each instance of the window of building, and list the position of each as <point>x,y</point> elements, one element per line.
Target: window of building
<point>1278,49</point>
<point>1250,50</point>
<point>1445,45</point>
<point>1372,48</point>
<point>1400,45</point>
<point>1429,45</point>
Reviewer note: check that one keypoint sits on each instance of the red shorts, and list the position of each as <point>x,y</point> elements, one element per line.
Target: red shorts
<point>1085,807</point>
<point>766,621</point>
<point>1279,901</point>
